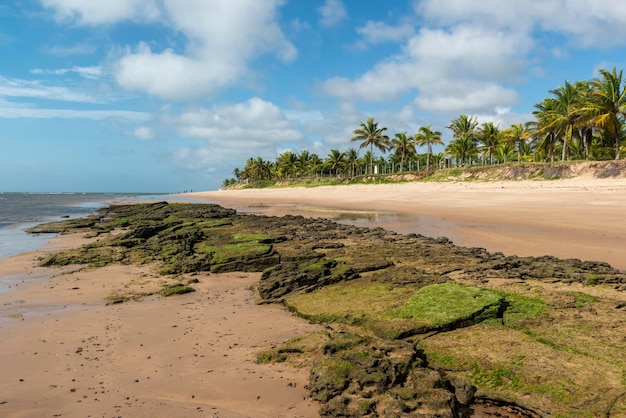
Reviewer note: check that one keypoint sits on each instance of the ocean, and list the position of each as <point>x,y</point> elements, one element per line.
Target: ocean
<point>19,211</point>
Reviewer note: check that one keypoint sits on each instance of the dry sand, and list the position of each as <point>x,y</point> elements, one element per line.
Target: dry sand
<point>64,353</point>
<point>574,218</point>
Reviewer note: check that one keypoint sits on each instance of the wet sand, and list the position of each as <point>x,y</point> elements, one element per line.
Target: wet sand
<point>64,353</point>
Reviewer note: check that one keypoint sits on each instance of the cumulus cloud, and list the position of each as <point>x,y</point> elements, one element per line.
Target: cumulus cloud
<point>233,132</point>
<point>469,96</point>
<point>332,13</point>
<point>254,123</point>
<point>590,22</point>
<point>221,39</point>
<point>465,56</point>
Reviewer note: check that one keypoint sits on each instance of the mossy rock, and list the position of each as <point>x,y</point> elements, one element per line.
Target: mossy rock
<point>176,289</point>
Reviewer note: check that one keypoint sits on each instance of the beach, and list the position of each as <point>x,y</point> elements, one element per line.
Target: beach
<point>569,218</point>
<point>65,353</point>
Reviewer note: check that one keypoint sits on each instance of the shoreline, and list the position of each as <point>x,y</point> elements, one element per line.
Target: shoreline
<point>72,355</point>
<point>194,354</point>
<point>570,218</point>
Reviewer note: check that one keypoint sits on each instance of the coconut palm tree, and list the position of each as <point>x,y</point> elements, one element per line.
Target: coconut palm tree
<point>490,137</point>
<point>403,145</point>
<point>335,161</point>
<point>426,136</point>
<point>371,136</point>
<point>463,150</point>
<point>463,127</point>
<point>352,158</point>
<point>607,106</point>
<point>287,164</point>
<point>504,151</point>
<point>565,114</point>
<point>516,135</point>
<point>544,129</point>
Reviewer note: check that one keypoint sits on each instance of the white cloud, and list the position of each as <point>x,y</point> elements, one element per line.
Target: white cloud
<point>435,60</point>
<point>470,52</point>
<point>103,12</point>
<point>13,87</point>
<point>14,111</point>
<point>253,125</point>
<point>92,73</point>
<point>332,13</point>
<point>466,55</point>
<point>591,22</point>
<point>379,32</point>
<point>465,97</point>
<point>223,38</point>
<point>144,132</point>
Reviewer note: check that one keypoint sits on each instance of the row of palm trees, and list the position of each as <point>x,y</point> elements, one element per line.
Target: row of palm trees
<point>579,121</point>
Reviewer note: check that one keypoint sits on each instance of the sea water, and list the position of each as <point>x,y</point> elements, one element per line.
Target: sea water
<point>19,211</point>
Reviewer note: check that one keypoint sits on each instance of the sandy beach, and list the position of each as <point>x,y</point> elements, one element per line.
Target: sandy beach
<point>571,218</point>
<point>64,353</point>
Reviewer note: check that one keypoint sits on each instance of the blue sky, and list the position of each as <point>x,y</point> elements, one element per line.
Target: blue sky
<point>171,95</point>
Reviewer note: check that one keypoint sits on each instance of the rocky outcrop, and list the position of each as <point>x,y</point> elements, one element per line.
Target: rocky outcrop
<point>368,377</point>
<point>354,375</point>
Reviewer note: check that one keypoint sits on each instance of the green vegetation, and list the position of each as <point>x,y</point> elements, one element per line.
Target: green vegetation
<point>579,121</point>
<point>443,304</point>
<point>176,289</point>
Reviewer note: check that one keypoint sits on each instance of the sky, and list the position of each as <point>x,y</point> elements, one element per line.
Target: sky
<point>160,96</point>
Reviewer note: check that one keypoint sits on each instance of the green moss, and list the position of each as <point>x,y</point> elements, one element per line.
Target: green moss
<point>270,356</point>
<point>582,299</point>
<point>176,289</point>
<point>351,302</point>
<point>446,303</point>
<point>230,252</point>
<point>521,307</point>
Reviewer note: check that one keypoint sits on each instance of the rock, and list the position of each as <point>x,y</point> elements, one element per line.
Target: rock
<point>463,390</point>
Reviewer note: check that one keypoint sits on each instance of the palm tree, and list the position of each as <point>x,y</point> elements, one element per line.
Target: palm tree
<point>403,145</point>
<point>237,173</point>
<point>371,136</point>
<point>335,161</point>
<point>287,164</point>
<point>607,106</point>
<point>490,136</point>
<point>352,158</point>
<point>543,128</point>
<point>462,149</point>
<point>504,151</point>
<point>463,127</point>
<point>563,116</point>
<point>517,135</point>
<point>426,136</point>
